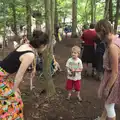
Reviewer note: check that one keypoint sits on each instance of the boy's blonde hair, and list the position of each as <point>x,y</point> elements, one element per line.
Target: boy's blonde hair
<point>76,49</point>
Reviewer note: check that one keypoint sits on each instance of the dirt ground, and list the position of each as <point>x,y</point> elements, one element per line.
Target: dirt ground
<point>37,107</point>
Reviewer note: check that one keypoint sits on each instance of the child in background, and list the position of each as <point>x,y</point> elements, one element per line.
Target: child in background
<point>74,68</point>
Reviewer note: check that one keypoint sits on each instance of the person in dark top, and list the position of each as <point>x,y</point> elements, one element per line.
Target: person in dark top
<point>99,52</point>
<point>88,55</point>
<point>57,27</point>
<point>17,62</point>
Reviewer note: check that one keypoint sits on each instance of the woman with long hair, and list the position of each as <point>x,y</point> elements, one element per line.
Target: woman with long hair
<point>109,88</point>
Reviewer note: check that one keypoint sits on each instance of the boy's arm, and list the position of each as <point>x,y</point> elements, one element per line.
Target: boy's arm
<point>68,67</point>
<point>68,70</point>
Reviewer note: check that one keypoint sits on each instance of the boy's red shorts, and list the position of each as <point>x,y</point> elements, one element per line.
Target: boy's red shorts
<point>70,84</point>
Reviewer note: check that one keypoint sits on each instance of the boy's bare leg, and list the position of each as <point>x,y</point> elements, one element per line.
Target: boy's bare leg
<point>78,96</point>
<point>69,95</point>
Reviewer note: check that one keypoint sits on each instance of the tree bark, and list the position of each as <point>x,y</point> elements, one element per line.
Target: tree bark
<point>56,21</point>
<point>106,12</point>
<point>86,16</point>
<point>28,18</point>
<point>52,23</point>
<point>38,24</point>
<point>117,15</point>
<point>93,10</point>
<point>4,32</point>
<point>47,55</point>
<point>74,18</point>
<point>14,17</point>
<point>111,11</point>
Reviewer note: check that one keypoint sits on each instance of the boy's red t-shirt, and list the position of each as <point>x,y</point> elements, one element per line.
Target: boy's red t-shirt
<point>88,37</point>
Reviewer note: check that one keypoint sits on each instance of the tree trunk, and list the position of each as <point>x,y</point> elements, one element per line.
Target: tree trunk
<point>117,15</point>
<point>47,55</point>
<point>14,17</point>
<point>4,32</point>
<point>49,84</point>
<point>111,11</point>
<point>38,24</point>
<point>52,23</point>
<point>56,21</point>
<point>74,18</point>
<point>93,10</point>
<point>106,15</point>
<point>86,16</point>
<point>28,18</point>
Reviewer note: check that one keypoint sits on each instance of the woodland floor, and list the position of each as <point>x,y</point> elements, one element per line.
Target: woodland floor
<point>36,107</point>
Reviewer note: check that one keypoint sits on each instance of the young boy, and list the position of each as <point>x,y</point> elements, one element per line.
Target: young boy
<point>74,68</point>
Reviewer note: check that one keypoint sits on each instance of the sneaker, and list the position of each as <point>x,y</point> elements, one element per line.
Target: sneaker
<point>98,118</point>
<point>68,98</point>
<point>79,98</point>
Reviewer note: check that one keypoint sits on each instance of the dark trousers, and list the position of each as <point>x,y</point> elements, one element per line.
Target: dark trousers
<point>99,62</point>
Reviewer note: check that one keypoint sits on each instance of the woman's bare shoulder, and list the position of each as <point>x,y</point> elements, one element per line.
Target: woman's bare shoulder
<point>24,47</point>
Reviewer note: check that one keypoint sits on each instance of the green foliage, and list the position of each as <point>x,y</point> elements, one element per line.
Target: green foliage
<point>64,8</point>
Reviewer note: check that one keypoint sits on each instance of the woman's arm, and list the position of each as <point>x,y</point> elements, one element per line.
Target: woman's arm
<point>113,53</point>
<point>25,62</point>
<point>33,67</point>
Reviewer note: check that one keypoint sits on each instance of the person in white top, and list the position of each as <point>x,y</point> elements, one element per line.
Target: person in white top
<point>74,69</point>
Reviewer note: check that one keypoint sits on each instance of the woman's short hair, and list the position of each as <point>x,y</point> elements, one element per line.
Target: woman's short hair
<point>104,26</point>
<point>39,38</point>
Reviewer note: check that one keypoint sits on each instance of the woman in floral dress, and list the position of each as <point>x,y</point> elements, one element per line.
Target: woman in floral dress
<point>109,88</point>
<point>17,62</point>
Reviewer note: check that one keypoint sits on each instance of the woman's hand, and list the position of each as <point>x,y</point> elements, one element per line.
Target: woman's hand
<point>72,70</point>
<point>17,93</point>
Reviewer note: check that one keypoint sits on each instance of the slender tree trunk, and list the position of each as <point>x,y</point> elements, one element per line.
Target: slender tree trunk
<point>74,18</point>
<point>56,13</point>
<point>111,11</point>
<point>106,12</point>
<point>47,55</point>
<point>4,32</point>
<point>93,10</point>
<point>28,18</point>
<point>56,21</point>
<point>52,22</point>
<point>117,15</point>
<point>14,17</point>
<point>38,24</point>
<point>86,16</point>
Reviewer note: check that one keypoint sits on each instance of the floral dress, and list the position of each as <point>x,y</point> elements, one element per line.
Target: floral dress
<point>114,95</point>
<point>11,106</point>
